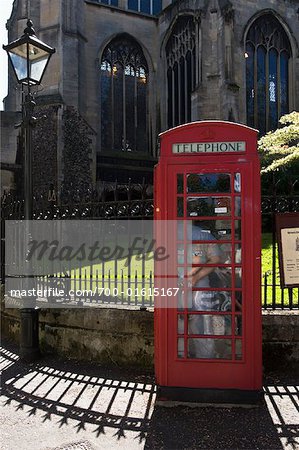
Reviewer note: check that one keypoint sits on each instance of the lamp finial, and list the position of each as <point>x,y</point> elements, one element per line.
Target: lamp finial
<point>29,29</point>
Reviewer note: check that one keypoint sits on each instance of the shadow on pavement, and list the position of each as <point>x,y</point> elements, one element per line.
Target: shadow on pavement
<point>273,425</point>
<point>73,394</point>
<point>76,394</point>
<point>212,428</point>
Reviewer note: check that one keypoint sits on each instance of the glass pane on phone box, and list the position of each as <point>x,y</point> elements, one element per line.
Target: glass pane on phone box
<point>180,254</point>
<point>238,254</point>
<point>203,253</point>
<point>181,323</point>
<point>180,184</point>
<point>189,299</point>
<point>238,230</point>
<point>180,229</point>
<point>224,348</point>
<point>223,230</point>
<point>184,300</point>
<point>211,301</point>
<point>225,253</point>
<point>211,253</point>
<point>208,348</point>
<point>238,349</point>
<point>208,182</point>
<point>180,300</point>
<point>237,182</point>
<point>180,280</point>
<point>198,230</point>
<point>238,301</point>
<point>208,206</point>
<point>211,324</point>
<point>180,207</point>
<point>238,325</point>
<point>223,300</point>
<point>237,206</point>
<point>210,229</point>
<point>181,348</point>
<point>202,300</point>
<point>195,279</point>
<point>222,325</point>
<point>198,253</point>
<point>221,277</point>
<point>238,277</point>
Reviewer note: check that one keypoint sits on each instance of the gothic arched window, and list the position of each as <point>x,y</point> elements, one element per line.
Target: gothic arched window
<point>267,73</point>
<point>180,56</point>
<point>124,79</point>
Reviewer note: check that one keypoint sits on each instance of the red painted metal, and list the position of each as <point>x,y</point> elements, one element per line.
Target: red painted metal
<point>243,370</point>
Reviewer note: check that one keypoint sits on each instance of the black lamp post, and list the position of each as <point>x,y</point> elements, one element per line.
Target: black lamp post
<point>29,58</point>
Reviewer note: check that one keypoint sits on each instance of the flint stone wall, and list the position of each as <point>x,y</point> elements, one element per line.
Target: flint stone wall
<point>126,337</point>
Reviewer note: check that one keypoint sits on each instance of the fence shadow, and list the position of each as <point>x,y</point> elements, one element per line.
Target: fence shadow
<point>282,399</point>
<point>273,425</point>
<point>75,396</point>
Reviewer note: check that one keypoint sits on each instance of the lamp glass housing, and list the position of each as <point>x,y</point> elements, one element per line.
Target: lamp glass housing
<point>29,57</point>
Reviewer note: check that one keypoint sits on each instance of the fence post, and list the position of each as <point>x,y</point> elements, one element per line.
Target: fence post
<point>2,250</point>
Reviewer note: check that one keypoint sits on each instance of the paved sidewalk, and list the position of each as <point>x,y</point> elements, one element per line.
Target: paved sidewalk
<point>58,404</point>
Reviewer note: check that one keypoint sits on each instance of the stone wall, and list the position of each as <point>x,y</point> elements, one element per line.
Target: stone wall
<point>44,144</point>
<point>62,152</point>
<point>126,337</point>
<point>9,144</point>
<point>280,338</point>
<point>77,156</point>
<point>110,336</point>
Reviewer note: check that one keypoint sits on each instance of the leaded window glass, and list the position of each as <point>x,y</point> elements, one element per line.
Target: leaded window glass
<point>145,6</point>
<point>109,2</point>
<point>124,81</point>
<point>267,55</point>
<point>180,55</point>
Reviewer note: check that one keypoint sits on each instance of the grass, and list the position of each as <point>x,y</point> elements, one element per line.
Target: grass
<point>116,277</point>
<point>267,268</point>
<point>117,274</point>
<point>267,253</point>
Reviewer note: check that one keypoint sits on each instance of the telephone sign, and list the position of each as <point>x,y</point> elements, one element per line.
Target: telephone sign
<point>209,147</point>
<point>207,209</point>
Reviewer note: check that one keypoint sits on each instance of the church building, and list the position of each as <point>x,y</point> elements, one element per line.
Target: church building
<point>126,70</point>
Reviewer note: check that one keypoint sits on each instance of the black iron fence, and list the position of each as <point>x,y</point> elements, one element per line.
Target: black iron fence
<point>273,296</point>
<point>109,281</point>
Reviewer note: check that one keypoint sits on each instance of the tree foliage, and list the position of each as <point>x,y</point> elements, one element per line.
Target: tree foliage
<point>279,149</point>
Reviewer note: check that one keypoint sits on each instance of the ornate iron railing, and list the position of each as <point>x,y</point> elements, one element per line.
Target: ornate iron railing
<point>273,297</point>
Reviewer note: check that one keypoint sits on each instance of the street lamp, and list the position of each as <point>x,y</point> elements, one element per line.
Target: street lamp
<point>29,58</point>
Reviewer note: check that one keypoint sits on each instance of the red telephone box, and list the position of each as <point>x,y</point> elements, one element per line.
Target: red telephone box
<point>208,340</point>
